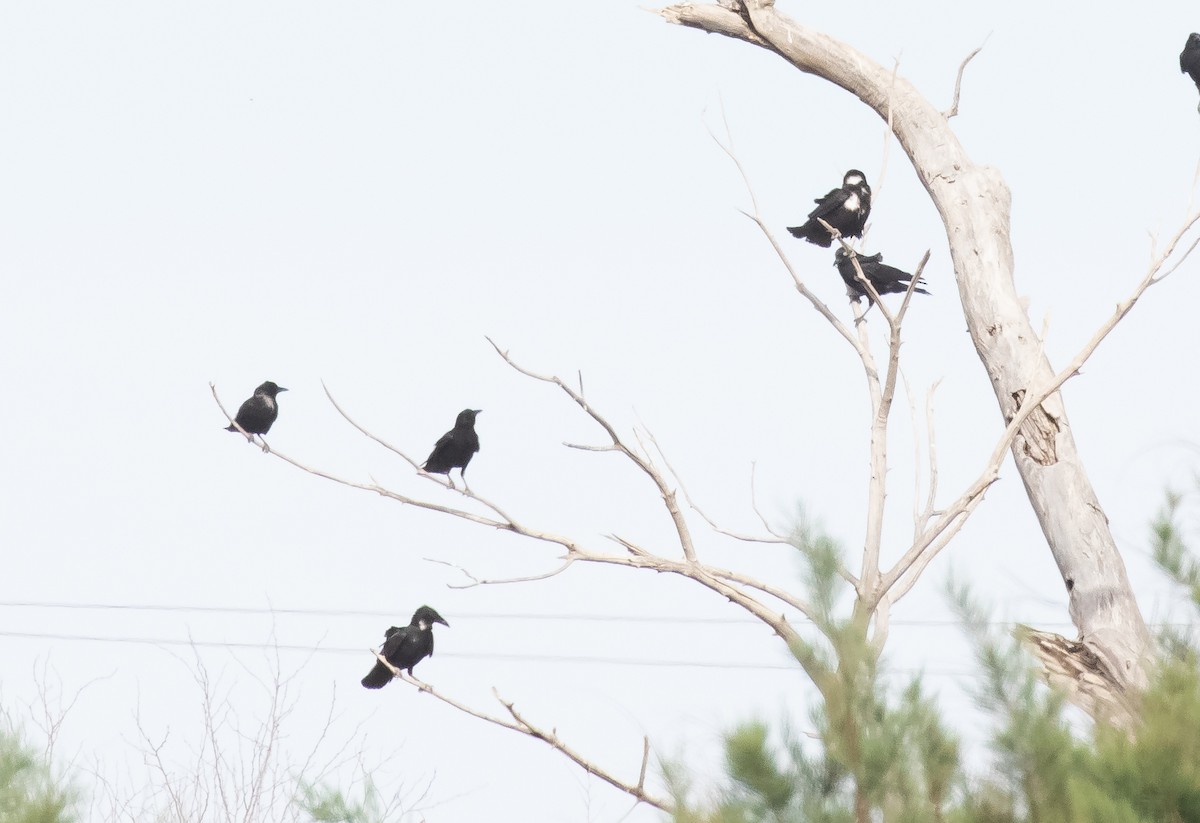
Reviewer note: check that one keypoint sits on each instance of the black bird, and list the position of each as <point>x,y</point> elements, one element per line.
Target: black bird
<point>1189,59</point>
<point>456,447</point>
<point>406,647</point>
<point>846,209</point>
<point>886,279</point>
<point>258,413</point>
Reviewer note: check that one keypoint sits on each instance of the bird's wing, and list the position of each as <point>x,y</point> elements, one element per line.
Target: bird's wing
<point>1189,60</point>
<point>891,272</point>
<point>828,204</point>
<point>438,455</point>
<point>864,262</point>
<point>444,442</point>
<point>394,643</point>
<point>411,648</point>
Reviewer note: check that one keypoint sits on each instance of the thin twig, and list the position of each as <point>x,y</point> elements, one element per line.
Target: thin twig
<point>368,434</point>
<point>645,762</point>
<point>519,724</point>
<point>916,439</point>
<point>477,581</point>
<point>931,450</point>
<point>815,301</point>
<point>953,110</point>
<point>754,502</point>
<point>885,153</point>
<point>747,538</point>
<point>682,531</point>
<point>550,737</point>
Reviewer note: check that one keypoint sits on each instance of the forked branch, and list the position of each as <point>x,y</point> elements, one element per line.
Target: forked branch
<point>935,538</point>
<point>518,723</point>
<point>668,495</point>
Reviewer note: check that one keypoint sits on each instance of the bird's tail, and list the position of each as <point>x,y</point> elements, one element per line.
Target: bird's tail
<point>813,232</point>
<point>377,678</point>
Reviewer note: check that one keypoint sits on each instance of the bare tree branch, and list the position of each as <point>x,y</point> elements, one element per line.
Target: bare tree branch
<point>881,401</point>
<point>808,295</point>
<point>953,110</point>
<point>668,496</point>
<point>371,435</point>
<point>687,497</point>
<point>931,439</point>
<point>974,204</point>
<point>728,584</point>
<point>519,724</point>
<point>937,537</point>
<point>713,19</point>
<point>754,503</point>
<point>476,581</point>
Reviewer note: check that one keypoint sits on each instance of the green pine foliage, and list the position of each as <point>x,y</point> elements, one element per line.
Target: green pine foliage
<point>28,791</point>
<point>324,804</point>
<point>879,751</point>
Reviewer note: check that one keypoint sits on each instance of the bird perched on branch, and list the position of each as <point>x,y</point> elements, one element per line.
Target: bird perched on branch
<point>258,413</point>
<point>886,279</point>
<point>405,647</point>
<point>456,447</point>
<point>846,209</point>
<point>1189,59</point>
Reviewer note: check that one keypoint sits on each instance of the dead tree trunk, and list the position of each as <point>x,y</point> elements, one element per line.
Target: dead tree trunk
<point>1109,658</point>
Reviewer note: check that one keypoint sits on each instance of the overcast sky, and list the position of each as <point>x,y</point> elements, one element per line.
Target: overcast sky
<point>360,193</point>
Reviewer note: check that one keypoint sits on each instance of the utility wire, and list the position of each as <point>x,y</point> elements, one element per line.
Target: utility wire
<point>290,647</point>
<point>523,658</point>
<point>599,618</point>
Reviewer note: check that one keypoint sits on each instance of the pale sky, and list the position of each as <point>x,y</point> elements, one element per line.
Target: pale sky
<point>359,193</point>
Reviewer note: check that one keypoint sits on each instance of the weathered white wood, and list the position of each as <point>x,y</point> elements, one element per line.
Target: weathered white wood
<point>974,202</point>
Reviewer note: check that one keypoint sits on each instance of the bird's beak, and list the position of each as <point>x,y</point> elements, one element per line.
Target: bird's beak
<point>479,411</point>
<point>281,388</point>
<point>442,621</point>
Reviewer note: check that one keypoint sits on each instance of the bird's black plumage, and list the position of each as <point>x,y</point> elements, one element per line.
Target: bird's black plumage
<point>846,209</point>
<point>405,647</point>
<point>456,447</point>
<point>886,279</point>
<point>258,413</point>
<point>1189,59</point>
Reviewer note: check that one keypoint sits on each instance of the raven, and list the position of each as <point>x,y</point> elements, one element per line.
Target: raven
<point>258,413</point>
<point>1189,59</point>
<point>456,447</point>
<point>886,279</point>
<point>406,647</point>
<point>846,209</point>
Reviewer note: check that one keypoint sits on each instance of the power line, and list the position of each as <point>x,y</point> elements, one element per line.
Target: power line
<point>38,604</point>
<point>598,618</point>
<point>515,657</point>
<point>290,647</point>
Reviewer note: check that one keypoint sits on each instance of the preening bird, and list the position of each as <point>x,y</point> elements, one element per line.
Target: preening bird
<point>258,413</point>
<point>405,647</point>
<point>886,279</point>
<point>456,447</point>
<point>1189,59</point>
<point>846,209</point>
